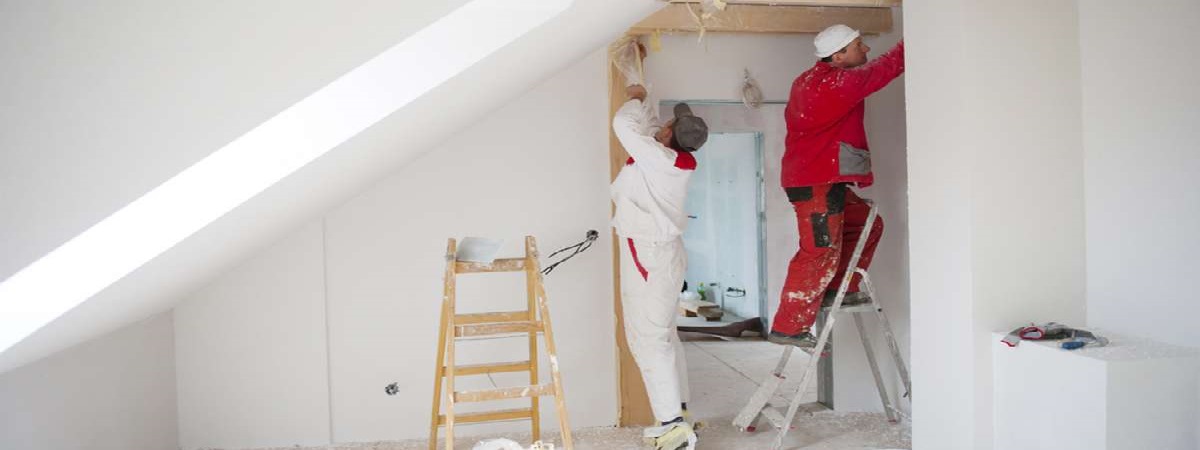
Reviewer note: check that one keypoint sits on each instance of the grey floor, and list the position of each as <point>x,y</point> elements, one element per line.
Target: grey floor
<point>722,375</point>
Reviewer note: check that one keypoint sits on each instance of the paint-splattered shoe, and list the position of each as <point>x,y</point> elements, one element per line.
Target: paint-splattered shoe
<point>852,299</point>
<point>805,341</point>
<point>672,436</point>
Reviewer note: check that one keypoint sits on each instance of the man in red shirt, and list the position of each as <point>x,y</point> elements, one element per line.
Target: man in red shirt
<point>827,153</point>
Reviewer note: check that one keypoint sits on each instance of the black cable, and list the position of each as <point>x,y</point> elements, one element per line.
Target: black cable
<point>587,242</point>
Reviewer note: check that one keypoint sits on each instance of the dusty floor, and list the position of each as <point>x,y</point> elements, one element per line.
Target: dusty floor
<point>723,374</point>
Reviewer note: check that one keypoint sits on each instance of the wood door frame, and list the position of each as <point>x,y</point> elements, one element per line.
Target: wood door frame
<point>633,406</point>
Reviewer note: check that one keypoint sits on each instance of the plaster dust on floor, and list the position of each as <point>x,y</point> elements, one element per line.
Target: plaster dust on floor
<point>722,375</point>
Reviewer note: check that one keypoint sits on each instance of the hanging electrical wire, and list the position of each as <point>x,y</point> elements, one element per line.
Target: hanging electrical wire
<point>588,240</point>
<point>708,9</point>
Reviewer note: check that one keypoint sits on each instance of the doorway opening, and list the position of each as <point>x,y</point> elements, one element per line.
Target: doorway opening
<point>684,70</point>
<point>737,244</point>
<point>725,234</point>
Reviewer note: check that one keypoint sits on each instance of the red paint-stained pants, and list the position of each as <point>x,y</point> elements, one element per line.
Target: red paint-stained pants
<point>830,219</point>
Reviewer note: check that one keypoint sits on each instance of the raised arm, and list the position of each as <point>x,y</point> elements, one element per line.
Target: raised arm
<point>862,81</point>
<point>631,124</point>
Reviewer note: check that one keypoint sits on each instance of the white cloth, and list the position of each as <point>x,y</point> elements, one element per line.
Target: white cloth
<point>650,193</point>
<point>509,444</point>
<point>650,304</point>
<point>498,444</point>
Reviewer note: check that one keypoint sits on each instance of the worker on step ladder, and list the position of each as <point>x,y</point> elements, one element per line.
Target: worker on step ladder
<point>649,219</point>
<point>826,154</point>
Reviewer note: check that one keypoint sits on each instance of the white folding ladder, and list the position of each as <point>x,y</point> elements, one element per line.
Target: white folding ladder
<point>759,405</point>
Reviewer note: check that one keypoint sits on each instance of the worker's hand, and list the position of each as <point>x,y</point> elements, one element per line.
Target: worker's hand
<point>635,91</point>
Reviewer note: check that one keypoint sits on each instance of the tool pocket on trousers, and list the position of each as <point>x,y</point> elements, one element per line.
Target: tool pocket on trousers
<point>799,194</point>
<point>853,160</point>
<point>835,199</point>
<point>820,228</point>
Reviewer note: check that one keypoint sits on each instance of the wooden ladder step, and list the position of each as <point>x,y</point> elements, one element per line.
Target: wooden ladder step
<point>696,306</point>
<point>492,317</point>
<point>489,416</point>
<point>490,329</point>
<point>499,265</point>
<point>711,315</point>
<point>503,393</point>
<point>480,369</point>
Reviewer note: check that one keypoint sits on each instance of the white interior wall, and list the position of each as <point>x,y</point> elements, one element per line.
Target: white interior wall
<point>1140,135</point>
<point>251,352</point>
<point>712,70</point>
<point>116,392</point>
<point>939,226</point>
<point>536,166</point>
<point>996,196</point>
<point>1029,129</point>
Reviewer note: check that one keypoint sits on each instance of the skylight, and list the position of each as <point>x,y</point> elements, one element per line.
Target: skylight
<point>186,203</point>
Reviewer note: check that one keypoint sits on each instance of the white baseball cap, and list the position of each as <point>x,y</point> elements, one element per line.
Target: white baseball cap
<point>834,38</point>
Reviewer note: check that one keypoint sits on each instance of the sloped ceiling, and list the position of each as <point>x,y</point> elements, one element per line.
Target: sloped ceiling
<point>351,167</point>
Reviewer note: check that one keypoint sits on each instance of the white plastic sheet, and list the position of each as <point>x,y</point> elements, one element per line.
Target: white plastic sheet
<point>626,56</point>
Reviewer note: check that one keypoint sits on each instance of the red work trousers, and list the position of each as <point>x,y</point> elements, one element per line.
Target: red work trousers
<point>830,219</point>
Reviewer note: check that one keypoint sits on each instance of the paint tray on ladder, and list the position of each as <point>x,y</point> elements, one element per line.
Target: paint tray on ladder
<point>479,250</point>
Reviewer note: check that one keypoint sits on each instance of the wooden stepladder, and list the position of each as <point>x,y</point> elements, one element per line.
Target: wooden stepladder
<point>533,320</point>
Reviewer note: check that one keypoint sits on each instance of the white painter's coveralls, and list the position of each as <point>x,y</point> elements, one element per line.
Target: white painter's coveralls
<point>649,194</point>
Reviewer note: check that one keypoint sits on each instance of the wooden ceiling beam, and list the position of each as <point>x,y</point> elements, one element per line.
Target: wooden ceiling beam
<point>766,19</point>
<point>847,3</point>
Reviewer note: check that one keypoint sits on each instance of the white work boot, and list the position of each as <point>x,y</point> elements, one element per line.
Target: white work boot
<point>672,436</point>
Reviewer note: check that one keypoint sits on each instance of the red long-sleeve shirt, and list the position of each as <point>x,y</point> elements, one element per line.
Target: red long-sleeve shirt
<point>825,121</point>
